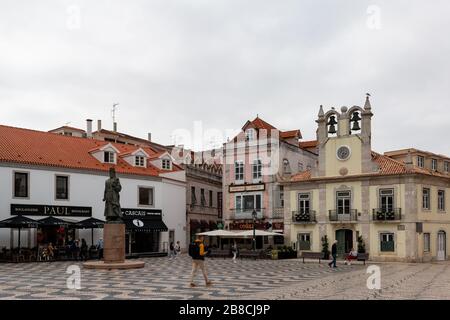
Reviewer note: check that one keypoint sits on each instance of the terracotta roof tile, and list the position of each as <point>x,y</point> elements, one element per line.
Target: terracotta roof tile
<point>308,144</point>
<point>32,147</point>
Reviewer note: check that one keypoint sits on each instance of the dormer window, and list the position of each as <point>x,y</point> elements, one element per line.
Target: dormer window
<point>109,157</point>
<point>166,165</point>
<point>420,161</point>
<point>249,134</point>
<point>434,164</point>
<point>139,161</point>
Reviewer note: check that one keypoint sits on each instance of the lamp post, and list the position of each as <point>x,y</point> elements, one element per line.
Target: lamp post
<point>254,213</point>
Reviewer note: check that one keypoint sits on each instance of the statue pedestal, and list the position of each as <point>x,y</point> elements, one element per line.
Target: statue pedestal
<point>114,250</point>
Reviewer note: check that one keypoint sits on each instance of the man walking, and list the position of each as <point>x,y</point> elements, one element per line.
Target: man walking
<point>234,251</point>
<point>177,249</point>
<point>333,254</point>
<point>197,252</point>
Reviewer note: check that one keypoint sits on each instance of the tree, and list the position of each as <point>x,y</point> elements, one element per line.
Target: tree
<point>361,245</point>
<point>325,247</point>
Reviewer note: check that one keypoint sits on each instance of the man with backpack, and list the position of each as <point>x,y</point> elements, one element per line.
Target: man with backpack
<point>197,252</point>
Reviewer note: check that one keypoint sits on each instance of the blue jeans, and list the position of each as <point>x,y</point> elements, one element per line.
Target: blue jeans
<point>333,263</point>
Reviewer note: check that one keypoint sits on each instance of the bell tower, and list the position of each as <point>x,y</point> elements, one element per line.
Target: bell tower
<point>344,141</point>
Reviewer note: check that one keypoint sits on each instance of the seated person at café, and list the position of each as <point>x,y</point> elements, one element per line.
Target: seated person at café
<point>353,255</point>
<point>50,251</point>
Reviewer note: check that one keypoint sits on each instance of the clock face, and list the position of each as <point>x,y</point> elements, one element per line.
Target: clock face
<point>343,153</point>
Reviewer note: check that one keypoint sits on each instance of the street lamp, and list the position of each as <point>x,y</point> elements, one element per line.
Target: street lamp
<point>254,213</point>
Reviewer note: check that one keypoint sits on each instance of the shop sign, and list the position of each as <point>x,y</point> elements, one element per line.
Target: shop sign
<point>50,210</point>
<point>247,187</point>
<point>247,226</point>
<point>147,214</point>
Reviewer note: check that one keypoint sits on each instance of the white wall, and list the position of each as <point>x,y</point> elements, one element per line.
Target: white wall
<point>86,189</point>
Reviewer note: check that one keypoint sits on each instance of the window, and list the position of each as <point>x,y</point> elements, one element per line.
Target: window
<point>303,203</point>
<point>426,242</point>
<point>343,202</point>
<point>420,161</point>
<point>246,203</point>
<point>219,204</point>
<point>387,242</point>
<point>139,161</point>
<point>257,166</point>
<point>166,164</point>
<point>210,198</point>
<point>426,198</point>
<point>434,164</point>
<point>202,197</point>
<point>304,241</point>
<point>441,200</point>
<point>21,185</point>
<point>282,196</point>
<point>62,188</point>
<point>386,200</point>
<point>249,134</point>
<point>446,166</point>
<point>109,157</point>
<point>300,166</point>
<point>286,167</point>
<point>145,196</point>
<point>239,170</point>
<point>193,197</point>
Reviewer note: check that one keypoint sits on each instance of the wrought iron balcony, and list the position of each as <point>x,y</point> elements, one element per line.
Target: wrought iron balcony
<point>387,214</point>
<point>304,216</point>
<point>339,216</point>
<point>246,213</point>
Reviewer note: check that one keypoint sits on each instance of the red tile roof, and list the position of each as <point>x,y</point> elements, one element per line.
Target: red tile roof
<point>387,166</point>
<point>308,144</point>
<point>69,128</point>
<point>33,147</point>
<point>290,134</point>
<point>259,123</point>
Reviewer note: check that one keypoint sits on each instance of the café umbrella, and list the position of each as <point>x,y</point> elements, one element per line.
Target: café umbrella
<point>53,222</point>
<point>90,223</point>
<point>19,222</point>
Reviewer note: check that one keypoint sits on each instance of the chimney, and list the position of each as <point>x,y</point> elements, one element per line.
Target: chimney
<point>99,125</point>
<point>88,128</point>
<point>115,127</point>
<point>149,137</point>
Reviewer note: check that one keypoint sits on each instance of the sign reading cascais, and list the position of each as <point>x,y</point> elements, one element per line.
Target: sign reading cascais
<point>247,187</point>
<point>148,214</point>
<point>50,210</point>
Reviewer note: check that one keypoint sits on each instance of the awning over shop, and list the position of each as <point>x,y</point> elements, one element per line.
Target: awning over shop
<point>53,222</point>
<point>91,223</point>
<point>145,225</point>
<point>19,222</point>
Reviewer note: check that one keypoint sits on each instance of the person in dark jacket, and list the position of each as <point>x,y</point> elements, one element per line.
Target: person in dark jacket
<point>83,250</point>
<point>333,254</point>
<point>198,252</point>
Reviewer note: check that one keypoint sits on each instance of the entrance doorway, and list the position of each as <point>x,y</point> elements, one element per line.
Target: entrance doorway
<point>345,241</point>
<point>441,248</point>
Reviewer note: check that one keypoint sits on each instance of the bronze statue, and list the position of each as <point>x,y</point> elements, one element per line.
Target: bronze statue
<point>112,198</point>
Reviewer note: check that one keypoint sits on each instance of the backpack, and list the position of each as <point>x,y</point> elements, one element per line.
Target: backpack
<point>194,251</point>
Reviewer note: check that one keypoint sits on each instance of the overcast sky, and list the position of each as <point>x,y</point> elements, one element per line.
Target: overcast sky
<point>172,62</point>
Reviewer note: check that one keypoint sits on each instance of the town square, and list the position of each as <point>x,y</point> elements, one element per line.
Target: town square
<point>194,150</point>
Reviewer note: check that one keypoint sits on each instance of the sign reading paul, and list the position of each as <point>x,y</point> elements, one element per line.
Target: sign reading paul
<point>50,210</point>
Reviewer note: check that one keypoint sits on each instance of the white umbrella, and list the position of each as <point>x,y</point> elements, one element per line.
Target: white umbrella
<point>218,233</point>
<point>258,233</point>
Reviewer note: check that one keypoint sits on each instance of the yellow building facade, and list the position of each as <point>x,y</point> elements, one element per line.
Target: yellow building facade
<point>388,204</point>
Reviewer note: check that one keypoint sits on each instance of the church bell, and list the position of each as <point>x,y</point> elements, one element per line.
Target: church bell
<point>355,119</point>
<point>332,123</point>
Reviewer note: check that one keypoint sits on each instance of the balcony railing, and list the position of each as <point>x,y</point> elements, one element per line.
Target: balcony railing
<point>246,213</point>
<point>278,213</point>
<point>304,217</point>
<point>385,214</point>
<point>350,216</point>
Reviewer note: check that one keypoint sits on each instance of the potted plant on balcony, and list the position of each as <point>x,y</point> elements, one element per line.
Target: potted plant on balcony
<point>325,248</point>
<point>361,245</point>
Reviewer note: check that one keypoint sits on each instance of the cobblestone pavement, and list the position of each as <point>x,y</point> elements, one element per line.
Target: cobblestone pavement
<point>248,279</point>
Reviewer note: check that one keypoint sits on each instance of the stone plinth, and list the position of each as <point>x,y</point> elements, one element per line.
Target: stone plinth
<point>114,250</point>
<point>114,243</point>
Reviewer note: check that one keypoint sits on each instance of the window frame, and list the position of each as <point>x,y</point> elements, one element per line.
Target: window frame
<point>202,197</point>
<point>441,206</point>
<point>388,234</point>
<point>211,198</point>
<point>110,153</point>
<point>238,171</point>
<point>28,178</point>
<point>421,161</point>
<point>446,166</point>
<point>152,204</point>
<point>428,199</point>
<point>434,164</point>
<point>257,170</point>
<point>300,239</point>
<point>139,161</point>
<point>242,209</point>
<point>307,198</point>
<point>381,196</point>
<point>427,242</point>
<point>67,185</point>
<point>344,199</point>
<point>166,164</point>
<point>193,196</point>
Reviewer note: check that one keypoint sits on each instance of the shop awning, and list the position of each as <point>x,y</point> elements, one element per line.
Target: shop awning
<point>91,223</point>
<point>19,222</point>
<point>53,222</point>
<point>145,225</point>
